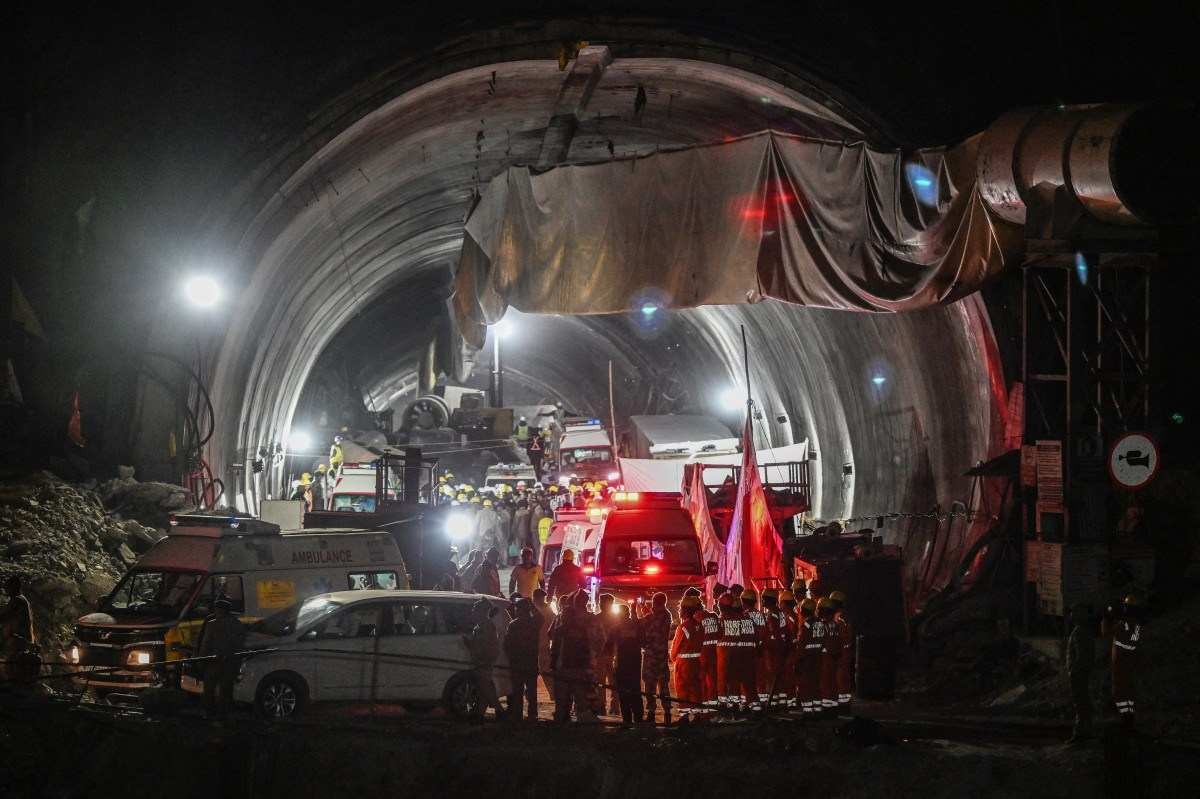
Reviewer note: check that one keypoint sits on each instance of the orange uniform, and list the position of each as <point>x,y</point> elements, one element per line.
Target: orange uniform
<point>685,658</point>
<point>735,657</point>
<point>845,663</point>
<point>808,663</point>
<point>831,650</point>
<point>710,627</point>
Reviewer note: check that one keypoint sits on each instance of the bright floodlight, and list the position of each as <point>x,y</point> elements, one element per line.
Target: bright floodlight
<point>878,380</point>
<point>733,398</point>
<point>202,291</point>
<point>503,328</point>
<point>649,309</point>
<point>458,526</point>
<point>299,441</point>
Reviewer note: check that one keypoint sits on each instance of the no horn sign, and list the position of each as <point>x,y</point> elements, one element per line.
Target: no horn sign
<point>1133,461</point>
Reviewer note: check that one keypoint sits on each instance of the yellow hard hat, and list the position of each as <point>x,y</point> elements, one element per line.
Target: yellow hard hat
<point>786,596</point>
<point>837,596</point>
<point>306,479</point>
<point>474,499</point>
<point>487,503</point>
<point>449,475</point>
<point>824,603</point>
<point>461,497</point>
<point>770,593</point>
<point>442,478</point>
<point>321,468</point>
<point>554,489</point>
<point>808,605</point>
<point>569,556</point>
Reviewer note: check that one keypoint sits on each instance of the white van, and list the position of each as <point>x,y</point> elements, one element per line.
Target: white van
<point>155,612</point>
<point>510,474</point>
<point>367,646</point>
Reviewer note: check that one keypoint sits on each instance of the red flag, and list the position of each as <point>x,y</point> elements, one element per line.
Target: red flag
<point>753,549</point>
<point>74,429</point>
<point>695,502</point>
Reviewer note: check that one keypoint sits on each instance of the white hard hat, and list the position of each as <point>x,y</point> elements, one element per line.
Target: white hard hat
<point>522,418</point>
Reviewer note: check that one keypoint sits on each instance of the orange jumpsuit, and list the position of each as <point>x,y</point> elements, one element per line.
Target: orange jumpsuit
<point>808,664</point>
<point>762,680</point>
<point>735,658</point>
<point>774,654</point>
<point>785,641</point>
<point>710,627</point>
<point>685,658</point>
<point>831,651</point>
<point>845,663</point>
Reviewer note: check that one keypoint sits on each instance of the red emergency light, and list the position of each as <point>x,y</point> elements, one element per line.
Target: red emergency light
<point>652,568</point>
<point>589,569</point>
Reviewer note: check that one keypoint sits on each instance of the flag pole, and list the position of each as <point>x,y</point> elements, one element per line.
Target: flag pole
<point>746,366</point>
<point>612,414</point>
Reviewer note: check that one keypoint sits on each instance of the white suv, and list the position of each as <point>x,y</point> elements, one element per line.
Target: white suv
<point>367,646</point>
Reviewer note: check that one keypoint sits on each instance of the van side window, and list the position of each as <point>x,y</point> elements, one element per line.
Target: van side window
<point>456,617</point>
<point>359,581</point>
<point>408,618</point>
<point>357,622</point>
<point>218,585</point>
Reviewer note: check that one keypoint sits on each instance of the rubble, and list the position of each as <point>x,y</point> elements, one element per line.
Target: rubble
<point>69,549</point>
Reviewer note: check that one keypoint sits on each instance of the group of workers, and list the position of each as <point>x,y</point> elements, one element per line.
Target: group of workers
<point>505,518</point>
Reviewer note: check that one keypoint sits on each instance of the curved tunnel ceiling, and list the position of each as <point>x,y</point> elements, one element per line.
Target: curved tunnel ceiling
<point>380,209</point>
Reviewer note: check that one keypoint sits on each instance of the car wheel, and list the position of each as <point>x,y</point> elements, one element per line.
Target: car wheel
<point>462,696</point>
<point>280,696</point>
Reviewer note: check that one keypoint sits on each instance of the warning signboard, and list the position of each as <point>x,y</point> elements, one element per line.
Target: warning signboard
<point>1049,477</point>
<point>1133,461</point>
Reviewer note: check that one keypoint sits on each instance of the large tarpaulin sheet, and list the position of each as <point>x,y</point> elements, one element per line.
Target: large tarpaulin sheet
<point>642,474</point>
<point>808,221</point>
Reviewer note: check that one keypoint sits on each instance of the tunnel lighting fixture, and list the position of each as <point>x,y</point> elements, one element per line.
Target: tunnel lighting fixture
<point>878,380</point>
<point>502,329</point>
<point>733,398</point>
<point>299,441</point>
<point>649,309</point>
<point>1081,268</point>
<point>202,291</point>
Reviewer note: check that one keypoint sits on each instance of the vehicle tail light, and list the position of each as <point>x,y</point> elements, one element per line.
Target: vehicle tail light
<point>652,568</point>
<point>589,569</point>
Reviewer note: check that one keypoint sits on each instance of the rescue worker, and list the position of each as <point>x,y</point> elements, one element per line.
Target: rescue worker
<point>483,645</point>
<point>318,488</point>
<point>221,638</point>
<point>808,658</point>
<point>566,577</point>
<point>627,666</point>
<point>786,640</point>
<point>844,678</point>
<point>1127,635</point>
<point>831,650</point>
<point>17,639</point>
<point>487,581</point>
<point>735,655</point>
<point>521,432</point>
<point>1081,655</point>
<point>711,633</point>
<point>750,605</point>
<point>336,457</point>
<point>656,668</point>
<point>685,657</point>
<point>799,589</point>
<point>302,490</point>
<point>521,647</point>
<point>520,526</point>
<point>548,618</point>
<point>774,649</point>
<point>526,576</point>
<point>603,668</point>
<point>571,659</point>
<point>534,450</point>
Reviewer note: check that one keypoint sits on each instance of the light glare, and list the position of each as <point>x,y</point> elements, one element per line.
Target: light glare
<point>202,291</point>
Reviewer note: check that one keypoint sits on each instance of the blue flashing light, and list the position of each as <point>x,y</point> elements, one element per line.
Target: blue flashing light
<point>1081,268</point>
<point>878,380</point>
<point>923,183</point>
<point>649,309</point>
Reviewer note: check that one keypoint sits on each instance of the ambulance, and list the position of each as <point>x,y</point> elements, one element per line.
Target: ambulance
<point>154,614</point>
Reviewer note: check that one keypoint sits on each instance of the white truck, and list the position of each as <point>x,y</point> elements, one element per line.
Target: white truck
<point>680,436</point>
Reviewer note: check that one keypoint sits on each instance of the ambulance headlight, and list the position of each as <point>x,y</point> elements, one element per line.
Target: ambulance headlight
<point>74,655</point>
<point>139,657</point>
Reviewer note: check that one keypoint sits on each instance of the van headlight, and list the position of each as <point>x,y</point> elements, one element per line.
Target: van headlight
<point>139,657</point>
<point>74,655</point>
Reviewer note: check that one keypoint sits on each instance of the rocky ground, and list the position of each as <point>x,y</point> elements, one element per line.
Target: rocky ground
<point>71,543</point>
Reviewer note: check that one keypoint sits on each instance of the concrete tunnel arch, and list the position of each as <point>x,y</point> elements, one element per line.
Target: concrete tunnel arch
<point>376,196</point>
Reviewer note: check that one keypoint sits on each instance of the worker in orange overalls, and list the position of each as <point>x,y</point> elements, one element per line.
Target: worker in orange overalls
<point>735,655</point>
<point>762,688</point>
<point>845,636</point>
<point>808,658</point>
<point>710,634</point>
<point>685,657</point>
<point>1127,635</point>
<point>773,655</point>
<point>831,651</point>
<point>785,638</point>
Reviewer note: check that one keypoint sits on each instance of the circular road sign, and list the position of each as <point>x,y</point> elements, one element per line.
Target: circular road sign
<point>1133,461</point>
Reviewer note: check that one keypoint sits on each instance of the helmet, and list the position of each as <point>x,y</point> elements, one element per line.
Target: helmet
<point>460,497</point>
<point>442,479</point>
<point>522,419</point>
<point>725,600</point>
<point>692,591</point>
<point>569,556</point>
<point>838,597</point>
<point>770,593</point>
<point>306,479</point>
<point>487,503</point>
<point>808,606</point>
<point>1133,601</point>
<point>474,499</point>
<point>787,596</point>
<point>798,586</point>
<point>321,468</point>
<point>449,475</point>
<point>558,404</point>
<point>824,604</point>
<point>337,439</point>
<point>520,484</point>
<point>553,488</point>
<point>749,595</point>
<point>689,602</point>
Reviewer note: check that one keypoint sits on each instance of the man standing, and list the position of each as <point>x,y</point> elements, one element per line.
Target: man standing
<point>484,647</point>
<point>735,654</point>
<point>318,488</point>
<point>487,581</point>
<point>566,577</point>
<point>845,638</point>
<point>627,669</point>
<point>761,680</point>
<point>656,669</point>
<point>1081,655</point>
<point>543,609</point>
<point>808,659</point>
<point>607,621</point>
<point>571,657</point>
<point>521,646</point>
<point>535,452</point>
<point>711,633</point>
<point>786,640</point>
<point>831,650</point>
<point>336,458</point>
<point>685,657</point>
<point>526,576</point>
<point>1127,635</point>
<point>16,630</point>
<point>220,639</point>
<point>774,650</point>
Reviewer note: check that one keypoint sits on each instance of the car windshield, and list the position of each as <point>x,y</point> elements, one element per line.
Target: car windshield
<point>582,455</point>
<point>295,617</point>
<point>652,556</point>
<point>159,593</point>
<point>358,503</point>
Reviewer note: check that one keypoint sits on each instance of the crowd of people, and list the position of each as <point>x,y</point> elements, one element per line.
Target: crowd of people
<point>783,649</point>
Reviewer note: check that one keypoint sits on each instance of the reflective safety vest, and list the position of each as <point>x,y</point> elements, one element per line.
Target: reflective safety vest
<point>522,433</point>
